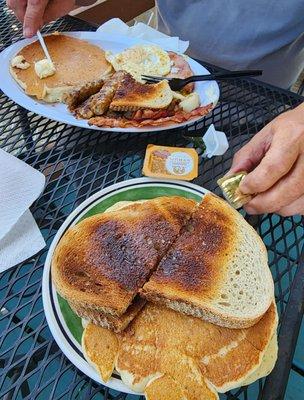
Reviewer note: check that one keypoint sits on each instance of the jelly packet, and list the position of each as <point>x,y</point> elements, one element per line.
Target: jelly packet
<point>230,188</point>
<point>170,162</point>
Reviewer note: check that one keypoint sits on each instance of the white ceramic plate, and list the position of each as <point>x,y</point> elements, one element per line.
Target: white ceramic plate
<point>64,324</point>
<point>208,91</point>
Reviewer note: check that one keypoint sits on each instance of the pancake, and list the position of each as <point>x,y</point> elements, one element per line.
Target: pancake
<point>164,388</point>
<point>199,358</point>
<point>77,62</point>
<point>100,347</point>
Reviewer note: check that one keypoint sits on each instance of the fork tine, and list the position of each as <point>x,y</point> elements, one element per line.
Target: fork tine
<point>155,78</point>
<point>151,81</point>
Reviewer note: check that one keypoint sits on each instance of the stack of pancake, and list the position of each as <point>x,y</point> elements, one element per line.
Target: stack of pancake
<point>77,63</point>
<point>177,296</point>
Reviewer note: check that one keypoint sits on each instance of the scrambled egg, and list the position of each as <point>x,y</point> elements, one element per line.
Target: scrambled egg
<point>19,62</point>
<point>44,68</point>
<point>141,60</point>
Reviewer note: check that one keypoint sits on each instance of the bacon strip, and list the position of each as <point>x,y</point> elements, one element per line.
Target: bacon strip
<point>179,117</point>
<point>182,70</point>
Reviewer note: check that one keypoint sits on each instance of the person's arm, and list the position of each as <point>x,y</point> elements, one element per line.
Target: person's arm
<point>35,13</point>
<point>274,159</point>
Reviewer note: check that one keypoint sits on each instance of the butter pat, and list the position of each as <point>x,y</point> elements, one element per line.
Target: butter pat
<point>44,68</point>
<point>19,62</point>
<point>190,102</point>
<point>171,162</point>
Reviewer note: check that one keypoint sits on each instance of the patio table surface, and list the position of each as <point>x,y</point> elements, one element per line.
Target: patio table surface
<point>79,162</point>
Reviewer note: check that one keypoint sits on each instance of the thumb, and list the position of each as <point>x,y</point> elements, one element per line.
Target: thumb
<point>249,156</point>
<point>33,18</point>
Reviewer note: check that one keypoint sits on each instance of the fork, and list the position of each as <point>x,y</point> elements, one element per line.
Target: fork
<point>44,48</point>
<point>178,84</point>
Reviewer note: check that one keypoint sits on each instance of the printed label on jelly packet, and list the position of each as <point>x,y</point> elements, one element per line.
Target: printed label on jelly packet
<point>179,163</point>
<point>170,162</point>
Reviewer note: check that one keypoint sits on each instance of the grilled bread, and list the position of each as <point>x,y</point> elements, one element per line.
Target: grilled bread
<point>197,356</point>
<point>114,323</point>
<point>132,95</point>
<point>102,262</point>
<point>77,62</point>
<point>216,269</point>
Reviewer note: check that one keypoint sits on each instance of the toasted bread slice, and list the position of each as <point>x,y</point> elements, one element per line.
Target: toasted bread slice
<point>114,323</point>
<point>132,95</point>
<point>77,62</point>
<point>104,260</point>
<point>217,269</point>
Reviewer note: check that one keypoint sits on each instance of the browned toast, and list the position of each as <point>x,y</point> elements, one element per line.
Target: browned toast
<point>114,323</point>
<point>102,262</point>
<point>217,269</point>
<point>132,95</point>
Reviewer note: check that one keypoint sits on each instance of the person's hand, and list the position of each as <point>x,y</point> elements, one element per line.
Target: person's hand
<point>274,159</point>
<point>35,13</point>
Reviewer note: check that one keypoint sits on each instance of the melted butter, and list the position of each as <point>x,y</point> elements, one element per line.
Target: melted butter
<point>44,68</point>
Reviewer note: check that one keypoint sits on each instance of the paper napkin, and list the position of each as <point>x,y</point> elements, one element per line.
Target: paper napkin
<point>20,185</point>
<point>116,27</point>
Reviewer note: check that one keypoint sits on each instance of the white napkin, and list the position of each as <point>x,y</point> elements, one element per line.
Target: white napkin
<point>116,27</point>
<point>20,185</point>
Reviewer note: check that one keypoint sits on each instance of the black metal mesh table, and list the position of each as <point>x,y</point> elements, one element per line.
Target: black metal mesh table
<point>77,163</point>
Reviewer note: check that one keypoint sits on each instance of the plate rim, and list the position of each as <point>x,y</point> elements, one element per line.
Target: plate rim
<point>47,287</point>
<point>34,105</point>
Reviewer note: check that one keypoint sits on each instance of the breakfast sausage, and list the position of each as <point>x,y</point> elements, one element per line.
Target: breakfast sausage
<point>79,95</point>
<point>101,101</point>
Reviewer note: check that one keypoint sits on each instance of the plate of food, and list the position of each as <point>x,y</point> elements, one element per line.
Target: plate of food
<point>161,288</point>
<point>96,82</point>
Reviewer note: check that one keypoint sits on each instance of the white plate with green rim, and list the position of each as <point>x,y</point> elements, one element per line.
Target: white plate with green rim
<point>64,324</point>
<point>208,91</point>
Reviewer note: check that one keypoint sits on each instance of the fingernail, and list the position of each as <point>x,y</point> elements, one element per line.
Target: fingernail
<point>227,173</point>
<point>250,210</point>
<point>27,32</point>
<point>230,172</point>
<point>244,188</point>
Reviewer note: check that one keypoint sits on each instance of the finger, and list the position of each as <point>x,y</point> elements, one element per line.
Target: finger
<point>248,157</point>
<point>57,8</point>
<point>284,192</point>
<point>33,18</point>
<point>295,208</point>
<point>18,7</point>
<point>276,163</point>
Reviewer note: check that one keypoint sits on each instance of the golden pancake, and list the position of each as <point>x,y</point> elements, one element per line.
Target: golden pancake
<point>77,62</point>
<point>164,388</point>
<point>100,347</point>
<point>199,357</point>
